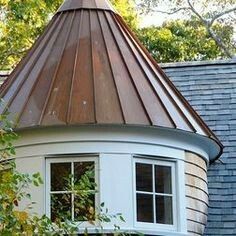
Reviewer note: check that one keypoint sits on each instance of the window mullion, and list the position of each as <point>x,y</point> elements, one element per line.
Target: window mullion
<point>164,194</point>
<point>154,196</point>
<point>72,195</point>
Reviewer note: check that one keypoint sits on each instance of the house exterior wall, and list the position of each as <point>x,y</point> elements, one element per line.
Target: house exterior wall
<point>31,165</point>
<point>196,193</point>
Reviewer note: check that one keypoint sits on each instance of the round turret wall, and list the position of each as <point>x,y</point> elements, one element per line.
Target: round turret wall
<point>116,150</point>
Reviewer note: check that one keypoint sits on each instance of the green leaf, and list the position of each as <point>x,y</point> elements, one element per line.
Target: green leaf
<point>35,183</point>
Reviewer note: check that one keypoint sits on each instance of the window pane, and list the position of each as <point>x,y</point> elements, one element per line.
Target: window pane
<point>145,208</point>
<point>60,173</point>
<point>144,177</point>
<point>60,207</point>
<point>84,174</point>
<point>84,206</point>
<point>163,179</point>
<point>164,210</point>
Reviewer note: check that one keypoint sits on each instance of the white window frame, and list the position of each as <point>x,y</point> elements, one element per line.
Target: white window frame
<point>159,162</point>
<point>67,159</point>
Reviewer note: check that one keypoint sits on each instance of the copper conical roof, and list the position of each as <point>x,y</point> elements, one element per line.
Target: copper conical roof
<point>89,68</point>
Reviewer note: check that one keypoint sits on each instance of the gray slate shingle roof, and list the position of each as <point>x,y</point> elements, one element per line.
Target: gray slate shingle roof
<point>210,87</point>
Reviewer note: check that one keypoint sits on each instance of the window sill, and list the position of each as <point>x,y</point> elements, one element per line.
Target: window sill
<point>135,231</point>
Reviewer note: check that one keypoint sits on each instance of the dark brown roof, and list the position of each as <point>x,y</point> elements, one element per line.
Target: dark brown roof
<point>89,68</point>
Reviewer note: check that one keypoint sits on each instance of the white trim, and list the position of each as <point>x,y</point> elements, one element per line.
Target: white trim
<point>144,231</point>
<point>157,226</point>
<point>114,139</point>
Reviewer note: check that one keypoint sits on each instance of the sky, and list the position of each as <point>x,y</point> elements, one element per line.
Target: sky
<point>158,18</point>
<point>152,19</point>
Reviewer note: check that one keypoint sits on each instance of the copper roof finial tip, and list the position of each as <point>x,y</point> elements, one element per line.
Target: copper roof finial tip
<point>69,5</point>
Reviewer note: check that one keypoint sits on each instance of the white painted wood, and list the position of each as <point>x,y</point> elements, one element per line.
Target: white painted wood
<point>116,186</point>
<point>152,226</point>
<point>117,139</point>
<point>180,194</point>
<point>32,166</point>
<point>66,159</point>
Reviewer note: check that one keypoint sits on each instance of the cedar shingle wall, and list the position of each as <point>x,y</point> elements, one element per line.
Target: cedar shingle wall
<point>196,193</point>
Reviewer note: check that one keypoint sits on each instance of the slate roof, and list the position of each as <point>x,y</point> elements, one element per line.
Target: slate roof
<point>210,87</point>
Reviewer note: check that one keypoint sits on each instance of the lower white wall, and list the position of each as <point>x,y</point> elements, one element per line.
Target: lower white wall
<point>116,180</point>
<point>31,166</point>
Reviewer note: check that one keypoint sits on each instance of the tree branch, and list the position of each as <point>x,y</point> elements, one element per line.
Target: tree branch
<point>170,12</point>
<point>219,42</point>
<point>196,13</point>
<point>222,14</point>
<point>208,25</point>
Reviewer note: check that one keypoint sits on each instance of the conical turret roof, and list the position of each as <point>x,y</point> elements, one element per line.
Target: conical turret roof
<point>89,68</point>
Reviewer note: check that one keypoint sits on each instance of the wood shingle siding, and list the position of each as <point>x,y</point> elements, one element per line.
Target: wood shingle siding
<point>196,193</point>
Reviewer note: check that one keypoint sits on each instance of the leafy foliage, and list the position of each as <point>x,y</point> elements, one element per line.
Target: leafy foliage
<point>183,40</point>
<point>209,12</point>
<point>127,10</point>
<point>22,21</point>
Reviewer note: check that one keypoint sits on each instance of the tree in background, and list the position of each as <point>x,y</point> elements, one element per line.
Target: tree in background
<point>208,12</point>
<point>21,22</point>
<point>184,40</point>
<point>127,9</point>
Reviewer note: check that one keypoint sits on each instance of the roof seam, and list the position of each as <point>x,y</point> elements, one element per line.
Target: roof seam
<point>28,72</point>
<point>162,85</point>
<point>55,73</point>
<point>153,89</point>
<point>127,68</point>
<point>68,118</point>
<point>92,64</point>
<point>70,5</point>
<point>36,83</point>
<point>15,72</point>
<point>110,64</point>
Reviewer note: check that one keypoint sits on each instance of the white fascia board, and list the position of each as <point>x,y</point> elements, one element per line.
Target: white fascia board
<point>121,139</point>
